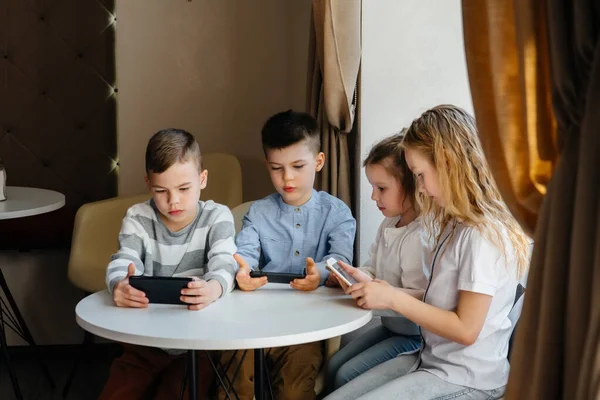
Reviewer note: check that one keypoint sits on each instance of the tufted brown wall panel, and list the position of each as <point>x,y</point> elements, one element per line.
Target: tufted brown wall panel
<point>57,109</point>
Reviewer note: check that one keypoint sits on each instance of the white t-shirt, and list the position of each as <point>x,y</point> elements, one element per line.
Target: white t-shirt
<point>467,261</point>
<point>397,256</point>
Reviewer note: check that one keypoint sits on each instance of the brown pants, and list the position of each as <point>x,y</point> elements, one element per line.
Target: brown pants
<point>150,373</point>
<point>293,370</point>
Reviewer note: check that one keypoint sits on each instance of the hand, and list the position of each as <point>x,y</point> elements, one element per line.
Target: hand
<point>200,293</point>
<point>373,295</point>
<point>332,280</point>
<point>125,295</point>
<point>312,280</point>
<point>354,272</point>
<point>243,276</point>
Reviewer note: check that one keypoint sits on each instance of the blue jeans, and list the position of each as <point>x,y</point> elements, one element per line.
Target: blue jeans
<point>397,380</point>
<point>375,347</point>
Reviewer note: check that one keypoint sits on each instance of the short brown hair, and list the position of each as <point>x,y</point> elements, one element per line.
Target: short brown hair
<point>389,154</point>
<point>169,146</point>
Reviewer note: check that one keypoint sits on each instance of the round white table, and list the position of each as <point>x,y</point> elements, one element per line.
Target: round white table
<point>25,201</point>
<point>272,316</point>
<point>22,202</point>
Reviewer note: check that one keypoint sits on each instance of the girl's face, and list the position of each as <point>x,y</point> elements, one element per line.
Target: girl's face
<point>387,191</point>
<point>428,181</point>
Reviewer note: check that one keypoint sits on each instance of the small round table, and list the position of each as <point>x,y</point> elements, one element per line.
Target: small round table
<point>275,315</point>
<point>22,202</point>
<point>25,201</point>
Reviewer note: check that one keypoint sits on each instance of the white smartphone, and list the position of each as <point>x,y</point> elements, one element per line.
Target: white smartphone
<point>335,268</point>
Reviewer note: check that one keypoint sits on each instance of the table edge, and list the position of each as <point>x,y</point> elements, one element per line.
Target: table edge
<point>34,211</point>
<point>217,344</point>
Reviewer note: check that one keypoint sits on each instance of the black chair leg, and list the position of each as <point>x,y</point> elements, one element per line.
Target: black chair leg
<point>6,360</point>
<point>20,327</point>
<point>88,339</point>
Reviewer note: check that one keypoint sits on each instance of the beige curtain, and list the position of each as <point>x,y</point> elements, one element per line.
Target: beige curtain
<point>534,69</point>
<point>334,62</point>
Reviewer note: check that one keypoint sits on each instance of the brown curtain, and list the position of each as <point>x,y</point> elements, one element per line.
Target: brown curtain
<point>334,62</point>
<point>517,52</point>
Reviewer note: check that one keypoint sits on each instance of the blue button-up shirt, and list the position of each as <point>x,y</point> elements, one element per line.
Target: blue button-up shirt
<point>277,237</point>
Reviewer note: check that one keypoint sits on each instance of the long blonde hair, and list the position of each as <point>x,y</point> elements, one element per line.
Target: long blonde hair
<point>447,136</point>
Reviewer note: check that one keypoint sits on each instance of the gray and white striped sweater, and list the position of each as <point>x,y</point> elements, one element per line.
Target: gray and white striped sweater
<point>204,248</point>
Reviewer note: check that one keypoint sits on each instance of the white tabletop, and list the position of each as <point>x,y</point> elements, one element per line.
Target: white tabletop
<point>272,316</point>
<point>25,201</point>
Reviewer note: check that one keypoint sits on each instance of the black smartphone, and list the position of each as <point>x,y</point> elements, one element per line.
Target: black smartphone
<point>277,277</point>
<point>161,289</point>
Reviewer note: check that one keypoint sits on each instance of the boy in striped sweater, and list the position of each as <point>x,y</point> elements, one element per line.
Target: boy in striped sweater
<point>172,234</point>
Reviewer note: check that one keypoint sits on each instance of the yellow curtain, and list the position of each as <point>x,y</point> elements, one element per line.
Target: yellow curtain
<point>334,62</point>
<point>534,69</point>
<point>507,57</point>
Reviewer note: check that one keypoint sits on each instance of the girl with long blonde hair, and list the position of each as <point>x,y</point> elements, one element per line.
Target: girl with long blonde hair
<point>479,253</point>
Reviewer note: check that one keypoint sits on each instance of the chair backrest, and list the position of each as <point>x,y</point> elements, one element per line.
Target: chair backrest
<point>238,214</point>
<point>515,312</point>
<point>95,239</point>
<point>224,179</point>
<point>97,224</point>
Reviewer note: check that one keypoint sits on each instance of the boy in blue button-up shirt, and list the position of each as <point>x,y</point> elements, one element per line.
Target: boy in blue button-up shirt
<point>287,232</point>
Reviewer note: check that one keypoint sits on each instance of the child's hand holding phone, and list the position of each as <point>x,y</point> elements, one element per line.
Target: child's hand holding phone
<point>243,279</point>
<point>369,293</point>
<point>374,295</point>
<point>312,280</point>
<point>200,293</point>
<point>125,295</point>
<point>346,275</point>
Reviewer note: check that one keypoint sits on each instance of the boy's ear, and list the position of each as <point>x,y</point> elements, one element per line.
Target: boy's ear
<point>147,180</point>
<point>320,161</point>
<point>203,179</point>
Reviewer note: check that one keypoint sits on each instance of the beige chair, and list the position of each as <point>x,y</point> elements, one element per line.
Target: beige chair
<point>238,214</point>
<point>97,225</point>
<point>331,345</point>
<point>224,179</point>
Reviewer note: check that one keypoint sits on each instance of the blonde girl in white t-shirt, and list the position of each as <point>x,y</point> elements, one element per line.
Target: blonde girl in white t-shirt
<point>480,252</point>
<point>396,256</point>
